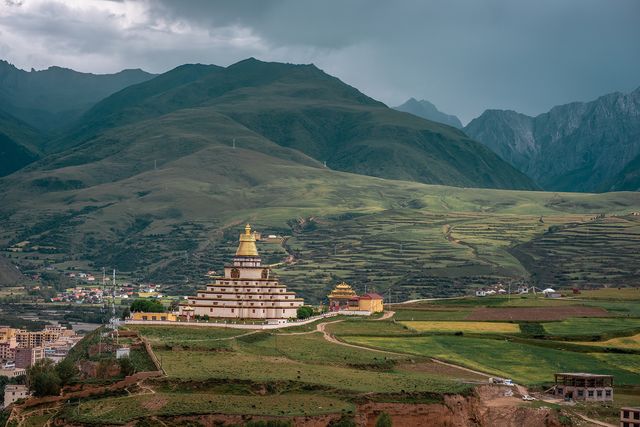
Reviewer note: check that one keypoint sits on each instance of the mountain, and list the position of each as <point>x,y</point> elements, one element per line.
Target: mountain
<point>302,108</point>
<point>49,99</point>
<point>18,144</point>
<point>582,146</point>
<point>628,179</point>
<point>428,111</point>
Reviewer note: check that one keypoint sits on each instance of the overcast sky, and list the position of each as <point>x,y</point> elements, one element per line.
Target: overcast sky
<point>463,55</point>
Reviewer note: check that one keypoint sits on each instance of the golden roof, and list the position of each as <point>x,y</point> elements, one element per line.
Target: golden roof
<point>247,246</point>
<point>342,290</point>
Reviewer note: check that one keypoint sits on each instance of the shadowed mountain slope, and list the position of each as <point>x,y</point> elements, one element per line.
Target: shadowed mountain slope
<point>427,110</point>
<point>582,146</point>
<point>301,107</point>
<point>49,99</point>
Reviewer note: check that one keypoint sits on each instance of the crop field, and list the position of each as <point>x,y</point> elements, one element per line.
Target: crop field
<point>529,364</point>
<point>535,313</point>
<point>588,326</point>
<point>473,327</point>
<point>120,410</point>
<point>632,342</point>
<point>429,314</point>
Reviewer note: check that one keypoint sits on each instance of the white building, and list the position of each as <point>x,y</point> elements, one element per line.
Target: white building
<point>247,290</point>
<point>13,392</point>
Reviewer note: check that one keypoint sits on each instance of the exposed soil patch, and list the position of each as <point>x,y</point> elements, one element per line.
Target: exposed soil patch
<point>155,403</point>
<point>535,313</point>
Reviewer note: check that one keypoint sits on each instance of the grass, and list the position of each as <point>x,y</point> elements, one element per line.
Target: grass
<point>224,365</point>
<point>591,326</point>
<point>189,337</point>
<point>120,410</point>
<point>472,327</point>
<point>524,363</point>
<point>365,327</point>
<point>631,342</point>
<point>428,314</point>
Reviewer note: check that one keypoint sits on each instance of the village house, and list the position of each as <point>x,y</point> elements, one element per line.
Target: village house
<point>14,392</point>
<point>584,386</point>
<point>630,417</point>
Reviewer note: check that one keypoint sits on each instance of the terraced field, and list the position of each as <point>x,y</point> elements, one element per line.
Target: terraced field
<point>602,252</point>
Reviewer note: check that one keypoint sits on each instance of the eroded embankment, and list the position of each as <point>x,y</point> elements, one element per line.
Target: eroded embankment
<point>487,406</point>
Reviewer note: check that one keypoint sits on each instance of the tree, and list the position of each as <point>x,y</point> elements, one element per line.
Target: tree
<point>384,420</point>
<point>126,366</point>
<point>42,378</point>
<point>147,305</point>
<point>304,312</point>
<point>66,370</point>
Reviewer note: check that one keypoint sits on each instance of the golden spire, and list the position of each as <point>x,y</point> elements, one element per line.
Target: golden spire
<point>247,246</point>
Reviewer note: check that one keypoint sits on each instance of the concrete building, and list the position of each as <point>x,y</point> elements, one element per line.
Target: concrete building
<point>582,386</point>
<point>630,417</point>
<point>247,290</point>
<point>142,315</point>
<point>26,357</point>
<point>12,372</point>
<point>13,392</point>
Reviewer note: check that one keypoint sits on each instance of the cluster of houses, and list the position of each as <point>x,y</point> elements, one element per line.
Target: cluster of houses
<point>520,290</point>
<point>98,294</point>
<point>20,349</point>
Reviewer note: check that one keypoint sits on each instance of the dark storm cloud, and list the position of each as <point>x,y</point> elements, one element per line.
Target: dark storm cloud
<point>464,56</point>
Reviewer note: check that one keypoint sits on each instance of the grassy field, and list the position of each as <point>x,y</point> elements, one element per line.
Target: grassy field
<point>120,410</point>
<point>594,326</point>
<point>473,327</point>
<point>524,363</point>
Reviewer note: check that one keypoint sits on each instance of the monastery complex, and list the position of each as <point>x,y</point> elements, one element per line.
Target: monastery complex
<point>246,291</point>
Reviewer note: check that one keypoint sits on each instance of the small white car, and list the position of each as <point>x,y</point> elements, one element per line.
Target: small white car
<point>507,382</point>
<point>528,398</point>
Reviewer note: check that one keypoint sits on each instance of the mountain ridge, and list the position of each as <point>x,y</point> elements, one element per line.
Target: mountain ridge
<point>579,146</point>
<point>427,110</point>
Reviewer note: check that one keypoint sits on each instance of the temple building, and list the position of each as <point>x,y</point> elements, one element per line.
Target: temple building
<point>343,297</point>
<point>247,290</point>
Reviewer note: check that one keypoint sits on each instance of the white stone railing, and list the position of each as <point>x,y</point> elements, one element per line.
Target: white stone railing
<point>289,324</point>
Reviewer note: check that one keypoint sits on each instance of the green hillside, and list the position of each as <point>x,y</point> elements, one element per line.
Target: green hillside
<point>301,107</point>
<point>164,199</point>
<point>165,173</point>
<point>18,144</point>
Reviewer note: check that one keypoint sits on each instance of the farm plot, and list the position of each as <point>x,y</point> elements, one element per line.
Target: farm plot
<point>587,326</point>
<point>199,365</point>
<point>525,363</point>
<point>535,313</point>
<point>467,327</point>
<point>632,342</point>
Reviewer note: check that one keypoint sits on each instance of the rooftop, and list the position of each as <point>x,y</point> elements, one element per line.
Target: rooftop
<point>584,374</point>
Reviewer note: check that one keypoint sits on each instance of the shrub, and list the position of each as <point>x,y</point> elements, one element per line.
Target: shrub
<point>147,305</point>
<point>384,420</point>
<point>305,312</point>
<point>43,379</point>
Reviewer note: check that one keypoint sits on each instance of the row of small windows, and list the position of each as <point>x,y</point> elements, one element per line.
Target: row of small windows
<point>590,393</point>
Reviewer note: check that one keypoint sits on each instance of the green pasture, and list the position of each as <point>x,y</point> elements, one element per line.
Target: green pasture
<point>592,326</point>
<point>201,365</point>
<point>525,363</point>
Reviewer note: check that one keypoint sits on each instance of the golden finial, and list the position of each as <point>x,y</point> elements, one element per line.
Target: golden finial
<point>247,229</point>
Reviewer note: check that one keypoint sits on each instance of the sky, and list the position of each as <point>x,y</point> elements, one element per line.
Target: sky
<point>465,56</point>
